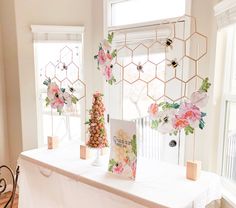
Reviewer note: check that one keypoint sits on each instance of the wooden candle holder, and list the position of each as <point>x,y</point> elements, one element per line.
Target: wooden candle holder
<point>193,170</point>
<point>84,152</point>
<point>52,142</point>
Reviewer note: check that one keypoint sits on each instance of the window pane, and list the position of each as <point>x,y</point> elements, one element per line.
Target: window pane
<point>62,63</point>
<point>136,11</point>
<point>230,143</point>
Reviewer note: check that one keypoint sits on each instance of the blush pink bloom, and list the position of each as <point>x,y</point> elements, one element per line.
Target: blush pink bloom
<point>57,103</point>
<point>190,112</point>
<point>108,72</point>
<point>109,56</point>
<point>53,89</point>
<point>118,169</point>
<point>102,57</point>
<point>153,111</point>
<point>180,123</point>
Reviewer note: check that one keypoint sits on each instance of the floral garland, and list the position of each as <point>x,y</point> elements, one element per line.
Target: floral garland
<point>57,97</point>
<point>104,58</point>
<point>186,115</point>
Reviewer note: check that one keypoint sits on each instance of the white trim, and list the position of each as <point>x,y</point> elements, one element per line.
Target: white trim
<point>224,6</point>
<point>57,29</point>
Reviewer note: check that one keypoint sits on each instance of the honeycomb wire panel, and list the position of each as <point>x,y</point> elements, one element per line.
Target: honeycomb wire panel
<point>65,70</point>
<point>144,61</point>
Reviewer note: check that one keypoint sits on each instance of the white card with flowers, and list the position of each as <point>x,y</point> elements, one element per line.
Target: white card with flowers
<point>123,154</point>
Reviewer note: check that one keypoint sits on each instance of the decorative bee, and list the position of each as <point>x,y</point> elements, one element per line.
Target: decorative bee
<point>168,43</point>
<point>62,66</point>
<point>71,89</point>
<point>173,63</point>
<point>140,67</point>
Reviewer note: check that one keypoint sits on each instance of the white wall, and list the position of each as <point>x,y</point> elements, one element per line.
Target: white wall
<point>4,154</point>
<point>9,45</point>
<point>206,141</point>
<point>72,12</point>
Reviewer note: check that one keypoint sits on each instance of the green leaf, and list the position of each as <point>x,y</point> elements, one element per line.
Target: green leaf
<point>188,130</point>
<point>96,57</point>
<point>203,114</point>
<point>154,124</point>
<point>74,99</point>
<point>110,37</point>
<point>112,163</point>
<point>47,101</point>
<point>201,124</point>
<point>87,122</point>
<point>114,53</point>
<point>63,90</point>
<point>205,85</point>
<point>134,145</point>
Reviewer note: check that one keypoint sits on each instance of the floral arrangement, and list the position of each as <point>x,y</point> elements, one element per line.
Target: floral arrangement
<point>187,115</point>
<point>57,97</point>
<point>104,58</point>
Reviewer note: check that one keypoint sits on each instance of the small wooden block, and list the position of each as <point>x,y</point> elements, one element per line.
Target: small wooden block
<point>52,142</point>
<point>84,152</point>
<point>193,170</point>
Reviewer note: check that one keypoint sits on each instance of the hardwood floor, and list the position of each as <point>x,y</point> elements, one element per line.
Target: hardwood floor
<point>5,197</point>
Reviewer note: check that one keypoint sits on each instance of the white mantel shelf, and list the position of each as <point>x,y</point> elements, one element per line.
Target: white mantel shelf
<point>157,184</point>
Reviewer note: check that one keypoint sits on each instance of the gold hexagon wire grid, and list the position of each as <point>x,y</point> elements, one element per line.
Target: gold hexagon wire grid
<point>164,56</point>
<point>66,73</point>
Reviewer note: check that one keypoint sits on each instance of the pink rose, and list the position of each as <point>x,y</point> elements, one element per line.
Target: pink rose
<point>190,112</point>
<point>57,103</point>
<point>153,110</point>
<point>108,72</point>
<point>102,57</point>
<point>180,123</point>
<point>109,56</point>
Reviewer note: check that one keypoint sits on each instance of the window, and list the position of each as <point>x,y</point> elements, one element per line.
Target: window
<point>58,56</point>
<point>142,44</point>
<point>229,103</point>
<point>125,12</point>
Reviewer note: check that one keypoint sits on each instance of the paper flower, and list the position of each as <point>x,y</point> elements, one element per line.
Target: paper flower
<point>57,97</point>
<point>187,115</point>
<point>118,168</point>
<point>153,110</point>
<point>104,58</point>
<point>199,98</point>
<point>189,112</point>
<point>165,121</point>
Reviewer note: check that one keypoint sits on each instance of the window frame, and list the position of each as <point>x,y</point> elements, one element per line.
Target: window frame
<point>57,34</point>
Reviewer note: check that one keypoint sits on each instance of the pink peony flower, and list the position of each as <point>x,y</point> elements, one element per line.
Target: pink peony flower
<point>199,98</point>
<point>109,56</point>
<point>102,57</point>
<point>53,89</point>
<point>190,112</point>
<point>57,103</point>
<point>153,111</point>
<point>108,72</point>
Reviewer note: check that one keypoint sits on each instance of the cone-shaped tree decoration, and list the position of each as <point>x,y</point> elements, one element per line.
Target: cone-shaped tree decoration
<point>97,131</point>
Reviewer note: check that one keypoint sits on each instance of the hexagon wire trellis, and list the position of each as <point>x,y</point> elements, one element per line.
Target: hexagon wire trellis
<point>187,48</point>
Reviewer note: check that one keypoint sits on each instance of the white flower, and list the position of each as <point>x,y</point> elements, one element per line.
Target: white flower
<point>106,45</point>
<point>199,98</point>
<point>165,119</point>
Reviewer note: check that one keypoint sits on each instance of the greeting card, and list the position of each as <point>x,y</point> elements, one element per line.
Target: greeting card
<point>123,154</point>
